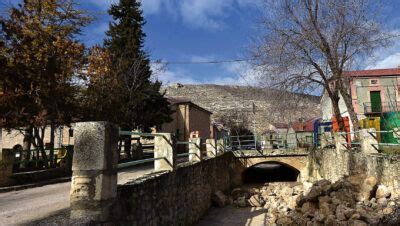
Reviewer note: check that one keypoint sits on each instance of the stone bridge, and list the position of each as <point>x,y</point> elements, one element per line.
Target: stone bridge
<point>296,160</point>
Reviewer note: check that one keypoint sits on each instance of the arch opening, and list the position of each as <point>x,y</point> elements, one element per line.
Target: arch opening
<point>270,172</point>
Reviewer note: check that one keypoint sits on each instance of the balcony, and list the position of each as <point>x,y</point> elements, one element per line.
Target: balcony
<point>375,108</point>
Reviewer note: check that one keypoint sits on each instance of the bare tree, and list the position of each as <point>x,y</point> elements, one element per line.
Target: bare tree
<point>310,43</point>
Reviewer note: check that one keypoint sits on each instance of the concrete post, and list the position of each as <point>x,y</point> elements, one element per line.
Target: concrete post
<point>340,141</point>
<point>164,148</point>
<point>194,150</point>
<point>220,146</point>
<point>211,148</point>
<point>369,143</point>
<point>94,167</point>
<point>6,166</point>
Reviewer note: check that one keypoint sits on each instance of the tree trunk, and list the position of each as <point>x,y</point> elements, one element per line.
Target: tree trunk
<point>350,108</point>
<point>40,144</point>
<point>127,146</point>
<point>51,156</point>
<point>334,96</point>
<point>27,142</point>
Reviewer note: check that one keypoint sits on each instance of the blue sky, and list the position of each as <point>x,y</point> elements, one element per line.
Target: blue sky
<point>207,30</point>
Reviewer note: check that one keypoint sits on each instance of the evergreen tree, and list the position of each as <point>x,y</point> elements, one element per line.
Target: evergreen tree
<point>142,105</point>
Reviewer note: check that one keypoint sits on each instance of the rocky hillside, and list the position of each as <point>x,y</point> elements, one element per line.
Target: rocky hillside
<point>239,103</point>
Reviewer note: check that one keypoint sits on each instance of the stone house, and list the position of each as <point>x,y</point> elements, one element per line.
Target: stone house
<point>187,118</point>
<point>13,138</point>
<point>373,93</point>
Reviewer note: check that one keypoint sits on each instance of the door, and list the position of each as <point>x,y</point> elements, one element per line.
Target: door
<point>376,103</point>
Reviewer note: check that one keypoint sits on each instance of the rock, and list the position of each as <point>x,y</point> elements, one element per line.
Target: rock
<point>284,221</point>
<point>349,213</point>
<point>219,199</point>
<point>319,217</point>
<point>241,201</point>
<point>256,201</point>
<point>382,192</point>
<point>359,223</point>
<point>308,207</point>
<point>325,209</point>
<point>382,202</point>
<point>238,192</point>
<point>387,210</point>
<point>330,220</point>
<point>355,216</point>
<point>340,212</point>
<point>367,188</point>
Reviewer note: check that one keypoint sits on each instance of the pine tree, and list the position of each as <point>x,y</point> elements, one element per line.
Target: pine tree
<point>142,105</point>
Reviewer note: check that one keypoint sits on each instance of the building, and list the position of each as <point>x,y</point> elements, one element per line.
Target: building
<point>374,93</point>
<point>187,118</point>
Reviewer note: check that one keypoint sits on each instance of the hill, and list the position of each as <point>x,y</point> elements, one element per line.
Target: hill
<point>248,105</point>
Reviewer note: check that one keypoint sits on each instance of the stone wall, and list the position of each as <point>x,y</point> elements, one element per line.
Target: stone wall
<point>178,197</point>
<point>334,164</point>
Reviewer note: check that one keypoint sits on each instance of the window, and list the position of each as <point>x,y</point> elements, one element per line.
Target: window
<point>374,81</point>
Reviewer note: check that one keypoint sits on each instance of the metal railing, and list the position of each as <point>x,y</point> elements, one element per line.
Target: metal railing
<point>149,151</point>
<point>371,107</point>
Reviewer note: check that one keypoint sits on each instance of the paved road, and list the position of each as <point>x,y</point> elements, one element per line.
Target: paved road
<point>31,205</point>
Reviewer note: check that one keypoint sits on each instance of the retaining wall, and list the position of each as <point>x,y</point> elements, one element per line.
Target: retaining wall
<point>333,164</point>
<point>177,197</point>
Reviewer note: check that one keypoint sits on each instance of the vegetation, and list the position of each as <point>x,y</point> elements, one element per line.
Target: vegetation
<point>40,56</point>
<point>309,44</point>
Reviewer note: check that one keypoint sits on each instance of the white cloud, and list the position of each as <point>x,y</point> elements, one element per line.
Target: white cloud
<point>391,61</point>
<point>151,6</point>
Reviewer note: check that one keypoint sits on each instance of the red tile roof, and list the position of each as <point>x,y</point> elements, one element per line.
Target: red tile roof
<point>374,73</point>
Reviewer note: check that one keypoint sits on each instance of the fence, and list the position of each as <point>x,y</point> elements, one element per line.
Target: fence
<point>36,159</point>
<point>95,164</point>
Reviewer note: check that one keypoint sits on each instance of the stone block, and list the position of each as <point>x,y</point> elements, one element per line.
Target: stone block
<point>164,148</point>
<point>94,166</point>
<point>369,143</point>
<point>96,145</point>
<point>195,150</point>
<point>6,166</point>
<point>211,148</point>
<point>220,146</point>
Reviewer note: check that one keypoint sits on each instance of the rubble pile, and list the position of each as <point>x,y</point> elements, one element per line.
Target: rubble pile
<point>355,200</point>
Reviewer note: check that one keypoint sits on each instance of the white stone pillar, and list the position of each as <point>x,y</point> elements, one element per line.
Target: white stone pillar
<point>340,141</point>
<point>195,150</point>
<point>220,146</point>
<point>211,148</point>
<point>369,143</point>
<point>94,167</point>
<point>164,148</point>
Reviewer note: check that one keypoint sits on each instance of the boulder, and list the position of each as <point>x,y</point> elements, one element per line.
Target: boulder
<point>241,201</point>
<point>382,192</point>
<point>256,201</point>
<point>308,207</point>
<point>284,221</point>
<point>382,202</point>
<point>359,223</point>
<point>367,188</point>
<point>219,199</point>
<point>237,192</point>
<point>340,212</point>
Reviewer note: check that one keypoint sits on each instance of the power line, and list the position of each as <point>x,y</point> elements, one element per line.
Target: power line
<point>203,62</point>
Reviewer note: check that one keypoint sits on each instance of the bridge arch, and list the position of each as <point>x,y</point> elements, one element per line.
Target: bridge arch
<point>270,171</point>
<point>294,164</point>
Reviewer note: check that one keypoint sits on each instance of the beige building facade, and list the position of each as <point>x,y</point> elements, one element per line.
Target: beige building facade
<point>187,118</point>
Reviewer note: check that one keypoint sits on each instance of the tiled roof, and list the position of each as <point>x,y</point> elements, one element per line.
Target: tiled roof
<point>374,72</point>
<point>181,100</point>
